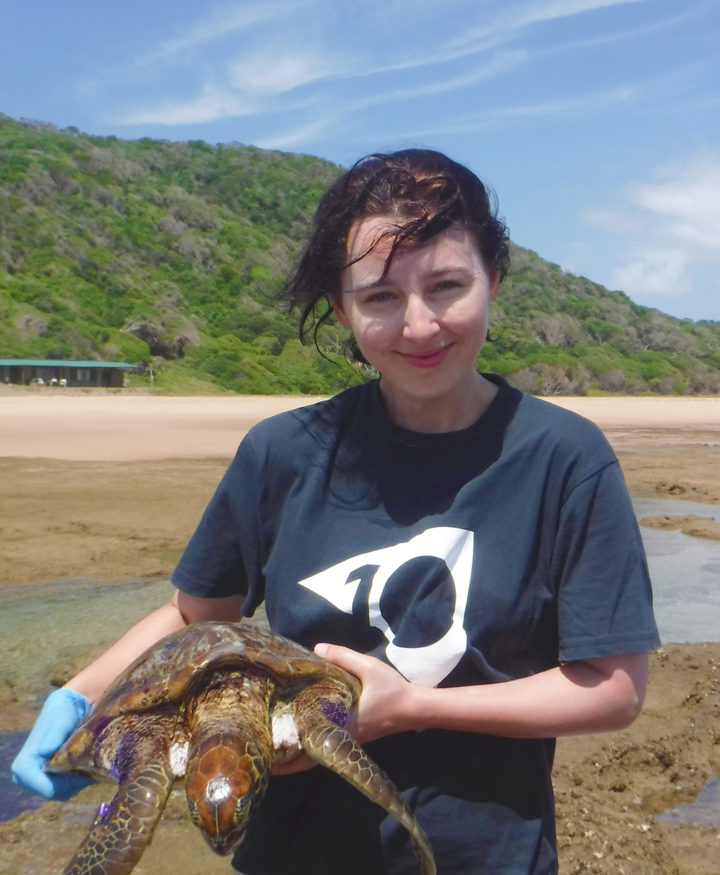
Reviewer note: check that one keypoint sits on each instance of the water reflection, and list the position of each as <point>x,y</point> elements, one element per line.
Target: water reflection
<point>44,624</point>
<point>685,574</point>
<point>13,800</point>
<point>705,810</point>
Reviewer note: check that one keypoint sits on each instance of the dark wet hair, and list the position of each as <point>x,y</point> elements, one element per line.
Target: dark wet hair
<point>424,191</point>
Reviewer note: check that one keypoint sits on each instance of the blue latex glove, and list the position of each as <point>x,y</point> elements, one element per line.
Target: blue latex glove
<point>62,711</point>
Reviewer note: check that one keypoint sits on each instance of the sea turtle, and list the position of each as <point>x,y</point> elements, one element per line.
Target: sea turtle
<point>218,704</point>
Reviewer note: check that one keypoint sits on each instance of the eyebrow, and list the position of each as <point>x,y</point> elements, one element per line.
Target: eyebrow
<point>369,287</point>
<point>383,282</point>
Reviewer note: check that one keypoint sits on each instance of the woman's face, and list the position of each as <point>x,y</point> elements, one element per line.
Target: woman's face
<point>422,323</point>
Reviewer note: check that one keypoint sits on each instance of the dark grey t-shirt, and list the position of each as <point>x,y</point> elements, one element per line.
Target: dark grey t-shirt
<point>470,557</point>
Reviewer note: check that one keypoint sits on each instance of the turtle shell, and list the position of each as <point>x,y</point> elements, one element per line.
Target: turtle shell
<point>168,675</point>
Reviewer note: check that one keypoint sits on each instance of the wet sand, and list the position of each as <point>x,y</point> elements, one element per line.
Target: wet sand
<point>111,485</point>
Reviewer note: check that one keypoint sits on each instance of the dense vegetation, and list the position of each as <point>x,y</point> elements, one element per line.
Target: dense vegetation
<point>173,255</point>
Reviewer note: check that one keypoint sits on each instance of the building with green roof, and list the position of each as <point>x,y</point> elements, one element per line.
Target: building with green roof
<point>59,372</point>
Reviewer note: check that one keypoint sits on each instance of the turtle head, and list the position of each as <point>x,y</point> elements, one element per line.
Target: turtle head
<point>225,782</point>
<point>77,754</point>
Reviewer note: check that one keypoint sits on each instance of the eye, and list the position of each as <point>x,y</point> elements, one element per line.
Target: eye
<point>447,288</point>
<point>378,298</point>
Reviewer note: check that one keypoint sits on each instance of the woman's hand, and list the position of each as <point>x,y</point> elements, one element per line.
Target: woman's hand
<point>384,707</point>
<point>62,711</point>
<point>387,703</point>
<point>593,695</point>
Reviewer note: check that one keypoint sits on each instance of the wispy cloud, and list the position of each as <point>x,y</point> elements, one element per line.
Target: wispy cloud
<point>686,206</point>
<point>336,114</point>
<point>502,63</point>
<point>672,225</point>
<point>219,23</point>
<point>206,107</point>
<point>653,272</point>
<point>549,10</point>
<point>301,134</point>
<point>188,50</point>
<point>278,63</point>
<point>569,107</point>
<point>622,96</point>
<point>634,33</point>
<point>280,66</point>
<point>525,15</point>
<point>251,85</point>
<point>289,70</point>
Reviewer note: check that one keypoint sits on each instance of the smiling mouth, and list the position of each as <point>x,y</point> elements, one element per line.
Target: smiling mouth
<point>429,359</point>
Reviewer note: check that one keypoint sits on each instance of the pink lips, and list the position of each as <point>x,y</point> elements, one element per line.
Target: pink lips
<point>427,359</point>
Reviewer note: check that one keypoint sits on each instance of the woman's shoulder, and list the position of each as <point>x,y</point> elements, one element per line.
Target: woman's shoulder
<point>556,416</point>
<point>565,448</point>
<point>561,431</point>
<point>539,418</point>
<point>319,422</point>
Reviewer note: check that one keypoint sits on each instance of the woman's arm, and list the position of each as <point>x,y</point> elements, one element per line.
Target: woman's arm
<point>593,695</point>
<point>179,611</point>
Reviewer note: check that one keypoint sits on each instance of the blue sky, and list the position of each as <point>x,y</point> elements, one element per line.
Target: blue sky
<point>595,121</point>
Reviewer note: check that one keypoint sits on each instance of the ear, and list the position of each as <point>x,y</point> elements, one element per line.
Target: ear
<point>339,309</point>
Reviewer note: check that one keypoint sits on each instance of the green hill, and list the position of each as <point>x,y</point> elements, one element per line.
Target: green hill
<point>173,255</point>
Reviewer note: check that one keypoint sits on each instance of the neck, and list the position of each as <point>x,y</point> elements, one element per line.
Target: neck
<point>237,705</point>
<point>444,414</point>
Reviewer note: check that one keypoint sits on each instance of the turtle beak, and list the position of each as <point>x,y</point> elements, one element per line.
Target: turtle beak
<point>226,844</point>
<point>226,841</point>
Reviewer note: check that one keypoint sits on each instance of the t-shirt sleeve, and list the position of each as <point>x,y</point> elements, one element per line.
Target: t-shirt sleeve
<point>604,595</point>
<point>221,558</point>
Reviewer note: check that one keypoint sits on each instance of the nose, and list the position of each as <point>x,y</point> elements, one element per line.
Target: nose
<point>420,321</point>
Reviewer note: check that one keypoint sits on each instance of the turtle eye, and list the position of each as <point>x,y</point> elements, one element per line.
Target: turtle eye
<point>244,809</point>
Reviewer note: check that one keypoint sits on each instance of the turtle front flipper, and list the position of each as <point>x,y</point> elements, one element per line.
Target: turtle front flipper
<point>321,711</point>
<point>123,829</point>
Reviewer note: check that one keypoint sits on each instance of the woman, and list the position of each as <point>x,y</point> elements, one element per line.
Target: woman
<point>469,551</point>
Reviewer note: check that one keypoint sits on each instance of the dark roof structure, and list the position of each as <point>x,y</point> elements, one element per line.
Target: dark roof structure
<point>64,363</point>
<point>64,372</point>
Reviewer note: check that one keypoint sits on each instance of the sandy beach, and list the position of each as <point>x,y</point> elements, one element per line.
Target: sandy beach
<point>111,485</point>
<point>82,425</point>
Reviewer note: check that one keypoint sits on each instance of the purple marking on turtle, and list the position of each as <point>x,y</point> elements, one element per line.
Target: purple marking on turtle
<point>334,711</point>
<point>100,724</point>
<point>125,757</point>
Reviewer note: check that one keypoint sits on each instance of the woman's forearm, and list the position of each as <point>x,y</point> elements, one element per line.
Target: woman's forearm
<point>594,695</point>
<point>93,680</point>
<point>580,697</point>
<point>179,611</point>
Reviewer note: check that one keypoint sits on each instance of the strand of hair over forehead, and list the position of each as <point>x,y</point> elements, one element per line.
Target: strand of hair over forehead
<point>395,201</point>
<point>393,191</point>
<point>426,203</point>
